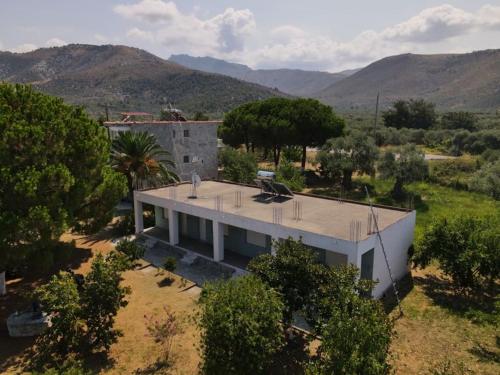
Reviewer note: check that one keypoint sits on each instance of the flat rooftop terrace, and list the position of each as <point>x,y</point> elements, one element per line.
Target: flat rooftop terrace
<point>320,215</point>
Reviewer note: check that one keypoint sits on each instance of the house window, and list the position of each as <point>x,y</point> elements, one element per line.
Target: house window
<point>186,133</point>
<point>226,230</point>
<point>186,159</point>
<point>173,133</point>
<point>255,238</point>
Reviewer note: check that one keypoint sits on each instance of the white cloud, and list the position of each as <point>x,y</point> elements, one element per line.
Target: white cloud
<point>233,35</point>
<point>25,47</point>
<point>136,33</point>
<point>55,42</point>
<point>179,32</point>
<point>149,11</point>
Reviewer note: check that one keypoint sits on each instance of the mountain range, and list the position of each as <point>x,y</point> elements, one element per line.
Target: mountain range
<point>291,81</point>
<point>451,81</point>
<point>130,79</point>
<point>126,79</point>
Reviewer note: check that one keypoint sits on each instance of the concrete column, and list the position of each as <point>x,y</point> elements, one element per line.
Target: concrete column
<point>173,227</point>
<point>138,215</point>
<point>218,232</point>
<point>203,229</point>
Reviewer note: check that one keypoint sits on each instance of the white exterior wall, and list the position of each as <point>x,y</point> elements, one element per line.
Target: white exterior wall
<point>397,239</point>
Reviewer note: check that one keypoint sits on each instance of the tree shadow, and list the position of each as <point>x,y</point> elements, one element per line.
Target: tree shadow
<point>485,354</point>
<point>292,357</point>
<point>475,305</point>
<point>17,351</point>
<point>404,286</point>
<point>166,281</point>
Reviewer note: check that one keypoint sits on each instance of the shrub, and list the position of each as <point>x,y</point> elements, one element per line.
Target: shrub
<point>163,332</point>
<point>240,329</point>
<point>355,340</point>
<point>131,249</point>
<point>170,264</point>
<point>81,319</point>
<point>293,272</point>
<point>238,166</point>
<point>102,297</point>
<point>487,180</point>
<point>291,176</point>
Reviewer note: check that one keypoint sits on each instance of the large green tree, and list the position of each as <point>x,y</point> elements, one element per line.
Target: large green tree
<point>313,123</point>
<point>406,167</point>
<point>416,114</point>
<point>294,271</point>
<point>278,122</point>
<point>54,174</point>
<point>466,247</point>
<point>345,155</point>
<point>141,160</point>
<point>240,326</point>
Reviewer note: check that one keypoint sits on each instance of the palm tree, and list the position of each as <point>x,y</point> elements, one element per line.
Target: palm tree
<point>143,162</point>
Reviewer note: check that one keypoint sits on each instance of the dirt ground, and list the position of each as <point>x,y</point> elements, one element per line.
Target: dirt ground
<point>426,336</point>
<point>135,350</point>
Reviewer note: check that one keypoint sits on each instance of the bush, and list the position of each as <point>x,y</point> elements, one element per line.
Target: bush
<point>453,172</point>
<point>163,332</point>
<point>131,249</point>
<point>238,166</point>
<point>82,319</point>
<point>355,340</point>
<point>170,264</point>
<point>291,176</point>
<point>487,180</point>
<point>466,248</point>
<point>240,326</point>
<point>293,272</point>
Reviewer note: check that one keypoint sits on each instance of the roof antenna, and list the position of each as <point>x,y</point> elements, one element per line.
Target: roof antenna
<point>375,222</point>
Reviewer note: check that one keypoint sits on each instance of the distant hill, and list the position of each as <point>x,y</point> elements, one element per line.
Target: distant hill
<point>451,81</point>
<point>126,79</point>
<point>292,81</point>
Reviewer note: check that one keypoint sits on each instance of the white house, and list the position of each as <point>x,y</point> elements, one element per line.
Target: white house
<point>233,223</point>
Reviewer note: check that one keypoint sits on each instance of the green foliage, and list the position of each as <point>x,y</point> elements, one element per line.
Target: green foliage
<point>459,120</point>
<point>415,114</point>
<point>343,156</point>
<point>487,180</point>
<point>291,176</point>
<point>466,246</point>
<point>475,143</point>
<point>293,272</point>
<point>131,249</point>
<point>240,329</point>
<point>170,264</point>
<point>238,166</point>
<point>453,172</point>
<point>82,318</point>
<point>69,367</point>
<point>276,123</point>
<point>292,153</point>
<point>60,299</point>
<point>355,340</point>
<point>102,297</point>
<point>408,167</point>
<point>141,160</point>
<point>53,175</point>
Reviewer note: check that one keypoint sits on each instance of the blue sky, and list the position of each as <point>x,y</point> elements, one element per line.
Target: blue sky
<point>314,34</point>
